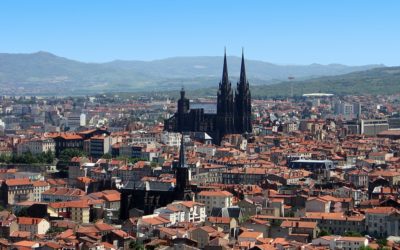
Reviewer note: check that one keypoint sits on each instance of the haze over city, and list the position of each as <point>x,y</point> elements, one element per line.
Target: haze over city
<point>283,32</point>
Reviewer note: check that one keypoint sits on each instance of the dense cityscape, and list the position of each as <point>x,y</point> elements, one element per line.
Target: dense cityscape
<point>317,171</point>
<point>199,125</point>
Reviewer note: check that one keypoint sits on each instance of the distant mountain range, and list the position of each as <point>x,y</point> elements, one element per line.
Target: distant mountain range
<point>43,73</point>
<point>384,80</point>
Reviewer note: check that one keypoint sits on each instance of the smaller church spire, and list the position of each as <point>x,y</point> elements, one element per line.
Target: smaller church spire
<point>182,160</point>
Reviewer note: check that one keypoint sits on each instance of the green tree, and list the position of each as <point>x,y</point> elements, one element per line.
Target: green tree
<point>67,154</point>
<point>381,242</point>
<point>107,156</point>
<point>53,230</point>
<point>365,248</point>
<point>324,233</point>
<point>134,160</point>
<point>23,212</point>
<point>352,234</point>
<point>136,245</point>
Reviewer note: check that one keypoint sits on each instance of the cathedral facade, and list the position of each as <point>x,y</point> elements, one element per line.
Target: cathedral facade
<point>233,110</point>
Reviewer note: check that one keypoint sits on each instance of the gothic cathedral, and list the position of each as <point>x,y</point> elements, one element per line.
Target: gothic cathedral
<point>233,110</point>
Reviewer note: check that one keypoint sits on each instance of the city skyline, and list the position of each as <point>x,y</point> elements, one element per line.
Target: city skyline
<point>288,32</point>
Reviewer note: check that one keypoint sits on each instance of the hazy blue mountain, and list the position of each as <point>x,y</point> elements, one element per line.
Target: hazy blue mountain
<point>45,73</point>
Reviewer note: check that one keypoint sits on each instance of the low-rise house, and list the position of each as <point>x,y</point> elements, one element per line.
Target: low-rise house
<point>33,225</point>
<point>149,223</point>
<point>250,236</point>
<point>257,225</point>
<point>8,224</point>
<point>250,207</point>
<point>203,235</point>
<point>302,231</point>
<point>316,204</point>
<point>225,223</point>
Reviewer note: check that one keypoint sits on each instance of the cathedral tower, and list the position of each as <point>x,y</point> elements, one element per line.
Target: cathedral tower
<point>225,105</point>
<point>183,108</point>
<point>243,103</point>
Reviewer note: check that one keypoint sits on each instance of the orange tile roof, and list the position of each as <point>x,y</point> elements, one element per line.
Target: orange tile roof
<point>216,193</point>
<point>191,203</point>
<point>250,234</point>
<point>157,220</point>
<point>380,210</point>
<point>20,234</point>
<point>121,233</point>
<point>25,243</point>
<point>40,184</point>
<point>299,224</point>
<point>221,220</point>
<point>29,220</point>
<point>70,204</point>
<point>104,226</point>
<point>333,216</point>
<point>64,191</point>
<point>18,182</point>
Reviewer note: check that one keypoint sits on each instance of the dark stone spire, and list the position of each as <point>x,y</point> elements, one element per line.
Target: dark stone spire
<point>225,105</point>
<point>225,78</point>
<point>243,79</point>
<point>182,159</point>
<point>182,188</point>
<point>243,102</point>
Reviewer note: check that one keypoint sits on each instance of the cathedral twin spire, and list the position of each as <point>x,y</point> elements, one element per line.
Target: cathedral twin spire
<point>234,112</point>
<point>225,84</point>
<point>225,78</point>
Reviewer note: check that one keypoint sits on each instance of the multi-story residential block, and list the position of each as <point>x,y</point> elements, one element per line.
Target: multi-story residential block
<point>62,194</point>
<point>36,146</point>
<point>340,242</point>
<point>359,178</point>
<point>171,139</point>
<point>382,221</point>
<point>78,211</point>
<point>218,199</point>
<point>38,188</point>
<point>183,211</point>
<point>17,190</point>
<point>98,145</point>
<point>337,223</point>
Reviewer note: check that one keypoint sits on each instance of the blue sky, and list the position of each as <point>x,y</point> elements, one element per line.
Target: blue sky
<point>352,32</point>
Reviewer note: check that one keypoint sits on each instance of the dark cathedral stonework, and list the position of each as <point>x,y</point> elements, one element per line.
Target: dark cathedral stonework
<point>145,197</point>
<point>233,110</point>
